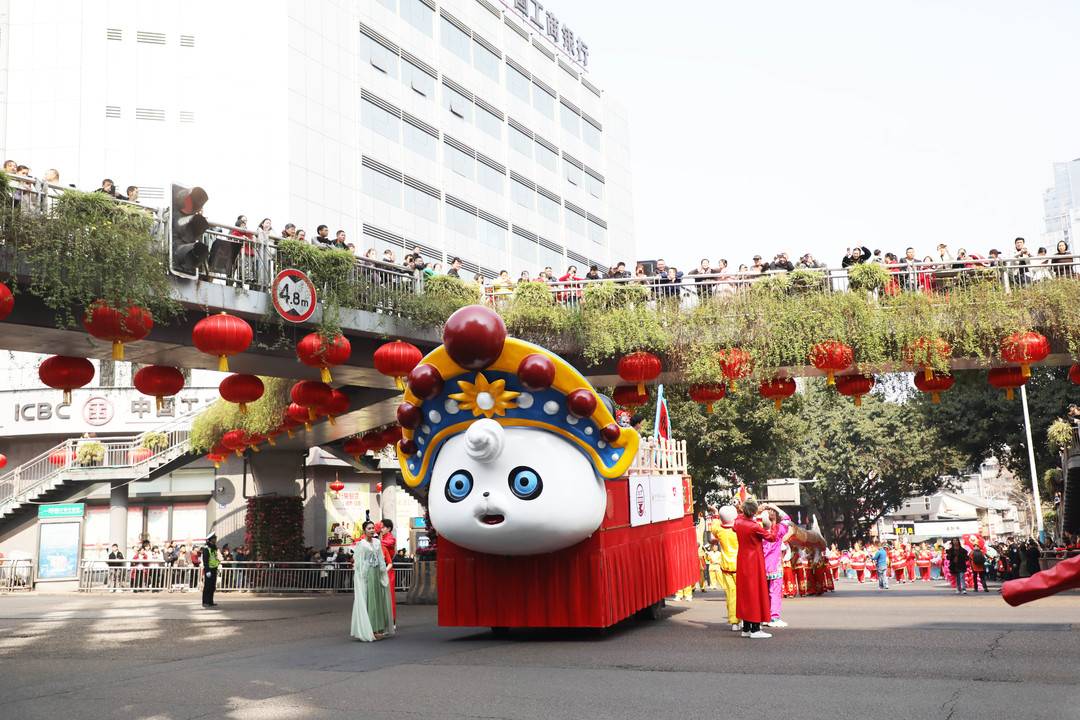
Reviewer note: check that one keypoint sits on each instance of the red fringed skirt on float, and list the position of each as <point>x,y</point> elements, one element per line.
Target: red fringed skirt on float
<point>596,583</point>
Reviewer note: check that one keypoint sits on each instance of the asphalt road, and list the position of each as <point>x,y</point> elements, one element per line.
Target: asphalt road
<point>912,652</point>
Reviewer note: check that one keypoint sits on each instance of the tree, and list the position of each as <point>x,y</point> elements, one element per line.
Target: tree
<point>866,461</point>
<point>743,438</point>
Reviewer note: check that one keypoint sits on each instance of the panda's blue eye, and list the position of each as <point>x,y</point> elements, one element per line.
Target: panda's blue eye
<point>526,483</point>
<point>459,486</point>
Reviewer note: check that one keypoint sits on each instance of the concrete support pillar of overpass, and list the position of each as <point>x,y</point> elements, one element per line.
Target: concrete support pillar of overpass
<point>388,501</point>
<point>275,472</point>
<point>118,514</point>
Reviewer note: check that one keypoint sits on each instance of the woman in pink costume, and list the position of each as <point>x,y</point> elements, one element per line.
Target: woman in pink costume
<point>774,572</point>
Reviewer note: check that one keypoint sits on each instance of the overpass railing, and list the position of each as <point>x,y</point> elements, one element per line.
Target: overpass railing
<point>16,574</point>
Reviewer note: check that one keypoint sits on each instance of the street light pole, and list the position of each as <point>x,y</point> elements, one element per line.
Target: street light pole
<point>1031,463</point>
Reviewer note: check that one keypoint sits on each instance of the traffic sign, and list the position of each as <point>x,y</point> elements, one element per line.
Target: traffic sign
<point>294,295</point>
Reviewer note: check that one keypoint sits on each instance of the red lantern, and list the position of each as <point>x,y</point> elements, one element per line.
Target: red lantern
<point>378,487</point>
<point>253,441</point>
<point>777,389</point>
<point>119,327</point>
<point>390,435</point>
<point>373,441</point>
<point>1074,374</point>
<point>707,394</point>
<point>397,359</point>
<point>936,384</point>
<point>736,364</point>
<point>923,352</point>
<point>854,386</point>
<point>65,373</point>
<point>337,486</point>
<point>298,414</point>
<point>316,351</point>
<point>3,461</point>
<point>1008,378</point>
<point>222,335</point>
<point>61,458</point>
<point>628,396</point>
<point>355,447</point>
<point>241,389</point>
<point>139,455</point>
<point>311,394</point>
<point>1025,348</point>
<point>235,440</point>
<point>338,405</point>
<point>7,303</point>
<point>639,368</point>
<point>216,458</point>
<point>160,381</point>
<point>831,357</point>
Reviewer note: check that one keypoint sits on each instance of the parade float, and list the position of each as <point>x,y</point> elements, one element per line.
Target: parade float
<point>549,513</point>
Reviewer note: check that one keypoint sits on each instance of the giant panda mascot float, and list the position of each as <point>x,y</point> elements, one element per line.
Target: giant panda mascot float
<point>524,469</point>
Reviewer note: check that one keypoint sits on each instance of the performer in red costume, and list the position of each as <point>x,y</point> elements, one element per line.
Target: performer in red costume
<point>858,561</point>
<point>1063,576</point>
<point>923,559</point>
<point>832,556</point>
<point>909,555</point>
<point>791,588</point>
<point>751,589</point>
<point>389,547</point>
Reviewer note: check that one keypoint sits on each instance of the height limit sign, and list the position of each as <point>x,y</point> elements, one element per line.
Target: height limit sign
<point>294,295</point>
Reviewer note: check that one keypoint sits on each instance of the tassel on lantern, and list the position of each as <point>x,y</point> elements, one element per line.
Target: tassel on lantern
<point>290,432</point>
<point>1025,370</point>
<point>255,448</point>
<point>1009,393</point>
<point>778,403</point>
<point>307,427</point>
<point>270,439</point>
<point>830,378</point>
<point>67,397</point>
<point>858,401</point>
<point>117,350</point>
<point>243,408</point>
<point>331,419</point>
<point>400,382</point>
<point>928,372</point>
<point>223,363</point>
<point>935,398</point>
<point>324,375</point>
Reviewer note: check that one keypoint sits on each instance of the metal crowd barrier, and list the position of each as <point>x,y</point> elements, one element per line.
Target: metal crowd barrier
<point>247,576</point>
<point>16,575</point>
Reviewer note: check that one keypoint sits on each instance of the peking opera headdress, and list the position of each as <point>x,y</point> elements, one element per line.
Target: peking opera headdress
<point>478,372</point>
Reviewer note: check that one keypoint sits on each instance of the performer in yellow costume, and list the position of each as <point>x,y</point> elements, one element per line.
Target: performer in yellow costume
<point>724,533</point>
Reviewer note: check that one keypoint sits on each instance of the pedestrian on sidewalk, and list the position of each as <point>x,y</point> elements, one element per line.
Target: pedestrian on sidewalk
<point>957,559</point>
<point>978,569</point>
<point>211,560</point>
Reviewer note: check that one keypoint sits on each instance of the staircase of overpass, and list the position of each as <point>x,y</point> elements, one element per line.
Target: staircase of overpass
<point>57,474</point>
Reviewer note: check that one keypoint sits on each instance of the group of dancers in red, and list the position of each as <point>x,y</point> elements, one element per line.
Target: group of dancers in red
<point>906,563</point>
<point>808,573</point>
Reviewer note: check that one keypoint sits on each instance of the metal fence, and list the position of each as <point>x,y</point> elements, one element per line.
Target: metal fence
<point>246,576</point>
<point>16,574</point>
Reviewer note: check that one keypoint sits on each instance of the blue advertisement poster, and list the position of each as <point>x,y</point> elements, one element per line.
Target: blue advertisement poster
<point>58,550</point>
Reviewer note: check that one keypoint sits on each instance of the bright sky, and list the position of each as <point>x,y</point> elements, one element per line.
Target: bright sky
<point>813,126</point>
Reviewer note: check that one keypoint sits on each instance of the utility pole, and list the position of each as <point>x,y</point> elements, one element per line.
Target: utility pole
<point>1031,463</point>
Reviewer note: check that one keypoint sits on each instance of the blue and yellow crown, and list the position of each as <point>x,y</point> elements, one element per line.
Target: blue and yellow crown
<point>498,392</point>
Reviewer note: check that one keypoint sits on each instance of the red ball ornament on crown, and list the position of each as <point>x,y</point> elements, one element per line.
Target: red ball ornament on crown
<point>1007,378</point>
<point>7,303</point>
<point>336,486</point>
<point>425,381</point>
<point>338,404</point>
<point>298,414</point>
<point>628,396</point>
<point>1025,348</point>
<point>311,394</point>
<point>409,416</point>
<point>397,359</point>
<point>65,373</point>
<point>222,335</point>
<point>1074,374</point>
<point>707,395</point>
<point>924,351</point>
<point>536,372</point>
<point>159,381</point>
<point>581,403</point>
<point>736,364</point>
<point>831,357</point>
<point>854,386</point>
<point>639,368</point>
<point>118,326</point>
<point>241,389</point>
<point>936,384</point>
<point>474,336</point>
<point>777,389</point>
<point>316,351</point>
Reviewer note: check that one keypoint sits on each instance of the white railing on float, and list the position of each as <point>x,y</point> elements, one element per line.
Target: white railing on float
<point>660,456</point>
<point>138,454</point>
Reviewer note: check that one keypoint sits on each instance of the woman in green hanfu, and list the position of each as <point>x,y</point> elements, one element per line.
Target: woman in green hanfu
<point>371,615</point>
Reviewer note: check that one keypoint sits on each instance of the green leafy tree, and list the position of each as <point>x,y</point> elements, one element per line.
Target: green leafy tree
<point>866,461</point>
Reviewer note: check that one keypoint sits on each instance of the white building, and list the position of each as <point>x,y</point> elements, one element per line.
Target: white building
<point>1061,206</point>
<point>464,127</point>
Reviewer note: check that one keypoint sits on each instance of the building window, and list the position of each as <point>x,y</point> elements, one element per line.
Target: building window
<point>548,208</point>
<point>460,221</point>
<point>595,186</point>
<point>417,14</point>
<point>456,40</point>
<point>381,187</point>
<point>517,83</point>
<point>381,121</point>
<point>575,223</point>
<point>572,172</point>
<point>521,142</point>
<point>543,101</point>
<point>592,135</point>
<point>421,204</point>
<point>571,121</point>
<point>485,61</point>
<point>545,156</point>
<point>460,162</point>
<point>415,78</point>
<point>524,249</point>
<point>492,235</point>
<point>490,178</point>
<point>458,105</point>
<point>381,58</point>
<point>420,142</point>
<point>489,123</point>
<point>596,232</point>
<point>522,194</point>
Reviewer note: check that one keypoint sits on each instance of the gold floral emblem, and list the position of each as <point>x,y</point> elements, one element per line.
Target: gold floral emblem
<point>484,398</point>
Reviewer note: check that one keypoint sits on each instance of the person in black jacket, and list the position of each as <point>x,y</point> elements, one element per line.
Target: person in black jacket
<point>957,557</point>
<point>116,562</point>
<point>210,562</point>
<point>855,256</point>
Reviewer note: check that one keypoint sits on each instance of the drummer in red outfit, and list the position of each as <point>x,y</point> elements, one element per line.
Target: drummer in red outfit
<point>751,588</point>
<point>922,560</point>
<point>910,562</point>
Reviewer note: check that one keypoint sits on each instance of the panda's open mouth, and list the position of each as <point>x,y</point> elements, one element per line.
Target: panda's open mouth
<point>491,519</point>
